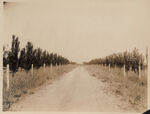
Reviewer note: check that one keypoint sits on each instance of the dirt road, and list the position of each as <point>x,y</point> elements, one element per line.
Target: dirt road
<point>75,91</point>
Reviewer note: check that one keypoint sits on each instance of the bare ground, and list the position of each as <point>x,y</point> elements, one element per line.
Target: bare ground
<point>23,83</point>
<point>75,91</point>
<point>130,89</point>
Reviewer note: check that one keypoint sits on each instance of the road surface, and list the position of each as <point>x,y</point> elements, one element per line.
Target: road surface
<point>75,91</point>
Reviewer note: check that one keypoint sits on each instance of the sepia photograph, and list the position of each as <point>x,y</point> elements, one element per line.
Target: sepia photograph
<point>75,56</point>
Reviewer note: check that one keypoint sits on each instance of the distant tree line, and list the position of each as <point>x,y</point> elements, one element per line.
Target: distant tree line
<point>24,58</point>
<point>71,62</point>
<point>131,60</point>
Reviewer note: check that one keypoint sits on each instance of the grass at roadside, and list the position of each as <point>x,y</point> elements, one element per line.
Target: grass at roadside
<point>24,83</point>
<point>131,88</point>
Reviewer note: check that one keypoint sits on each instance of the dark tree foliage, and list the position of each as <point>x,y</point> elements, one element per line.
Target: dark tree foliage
<point>22,59</point>
<point>131,60</point>
<point>44,57</point>
<point>54,60</point>
<point>13,54</point>
<point>38,58</point>
<point>29,56</point>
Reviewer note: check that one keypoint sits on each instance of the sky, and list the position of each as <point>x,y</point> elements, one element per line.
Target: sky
<point>80,30</point>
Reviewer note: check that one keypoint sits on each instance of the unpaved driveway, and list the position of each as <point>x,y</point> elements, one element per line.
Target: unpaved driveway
<point>75,91</point>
